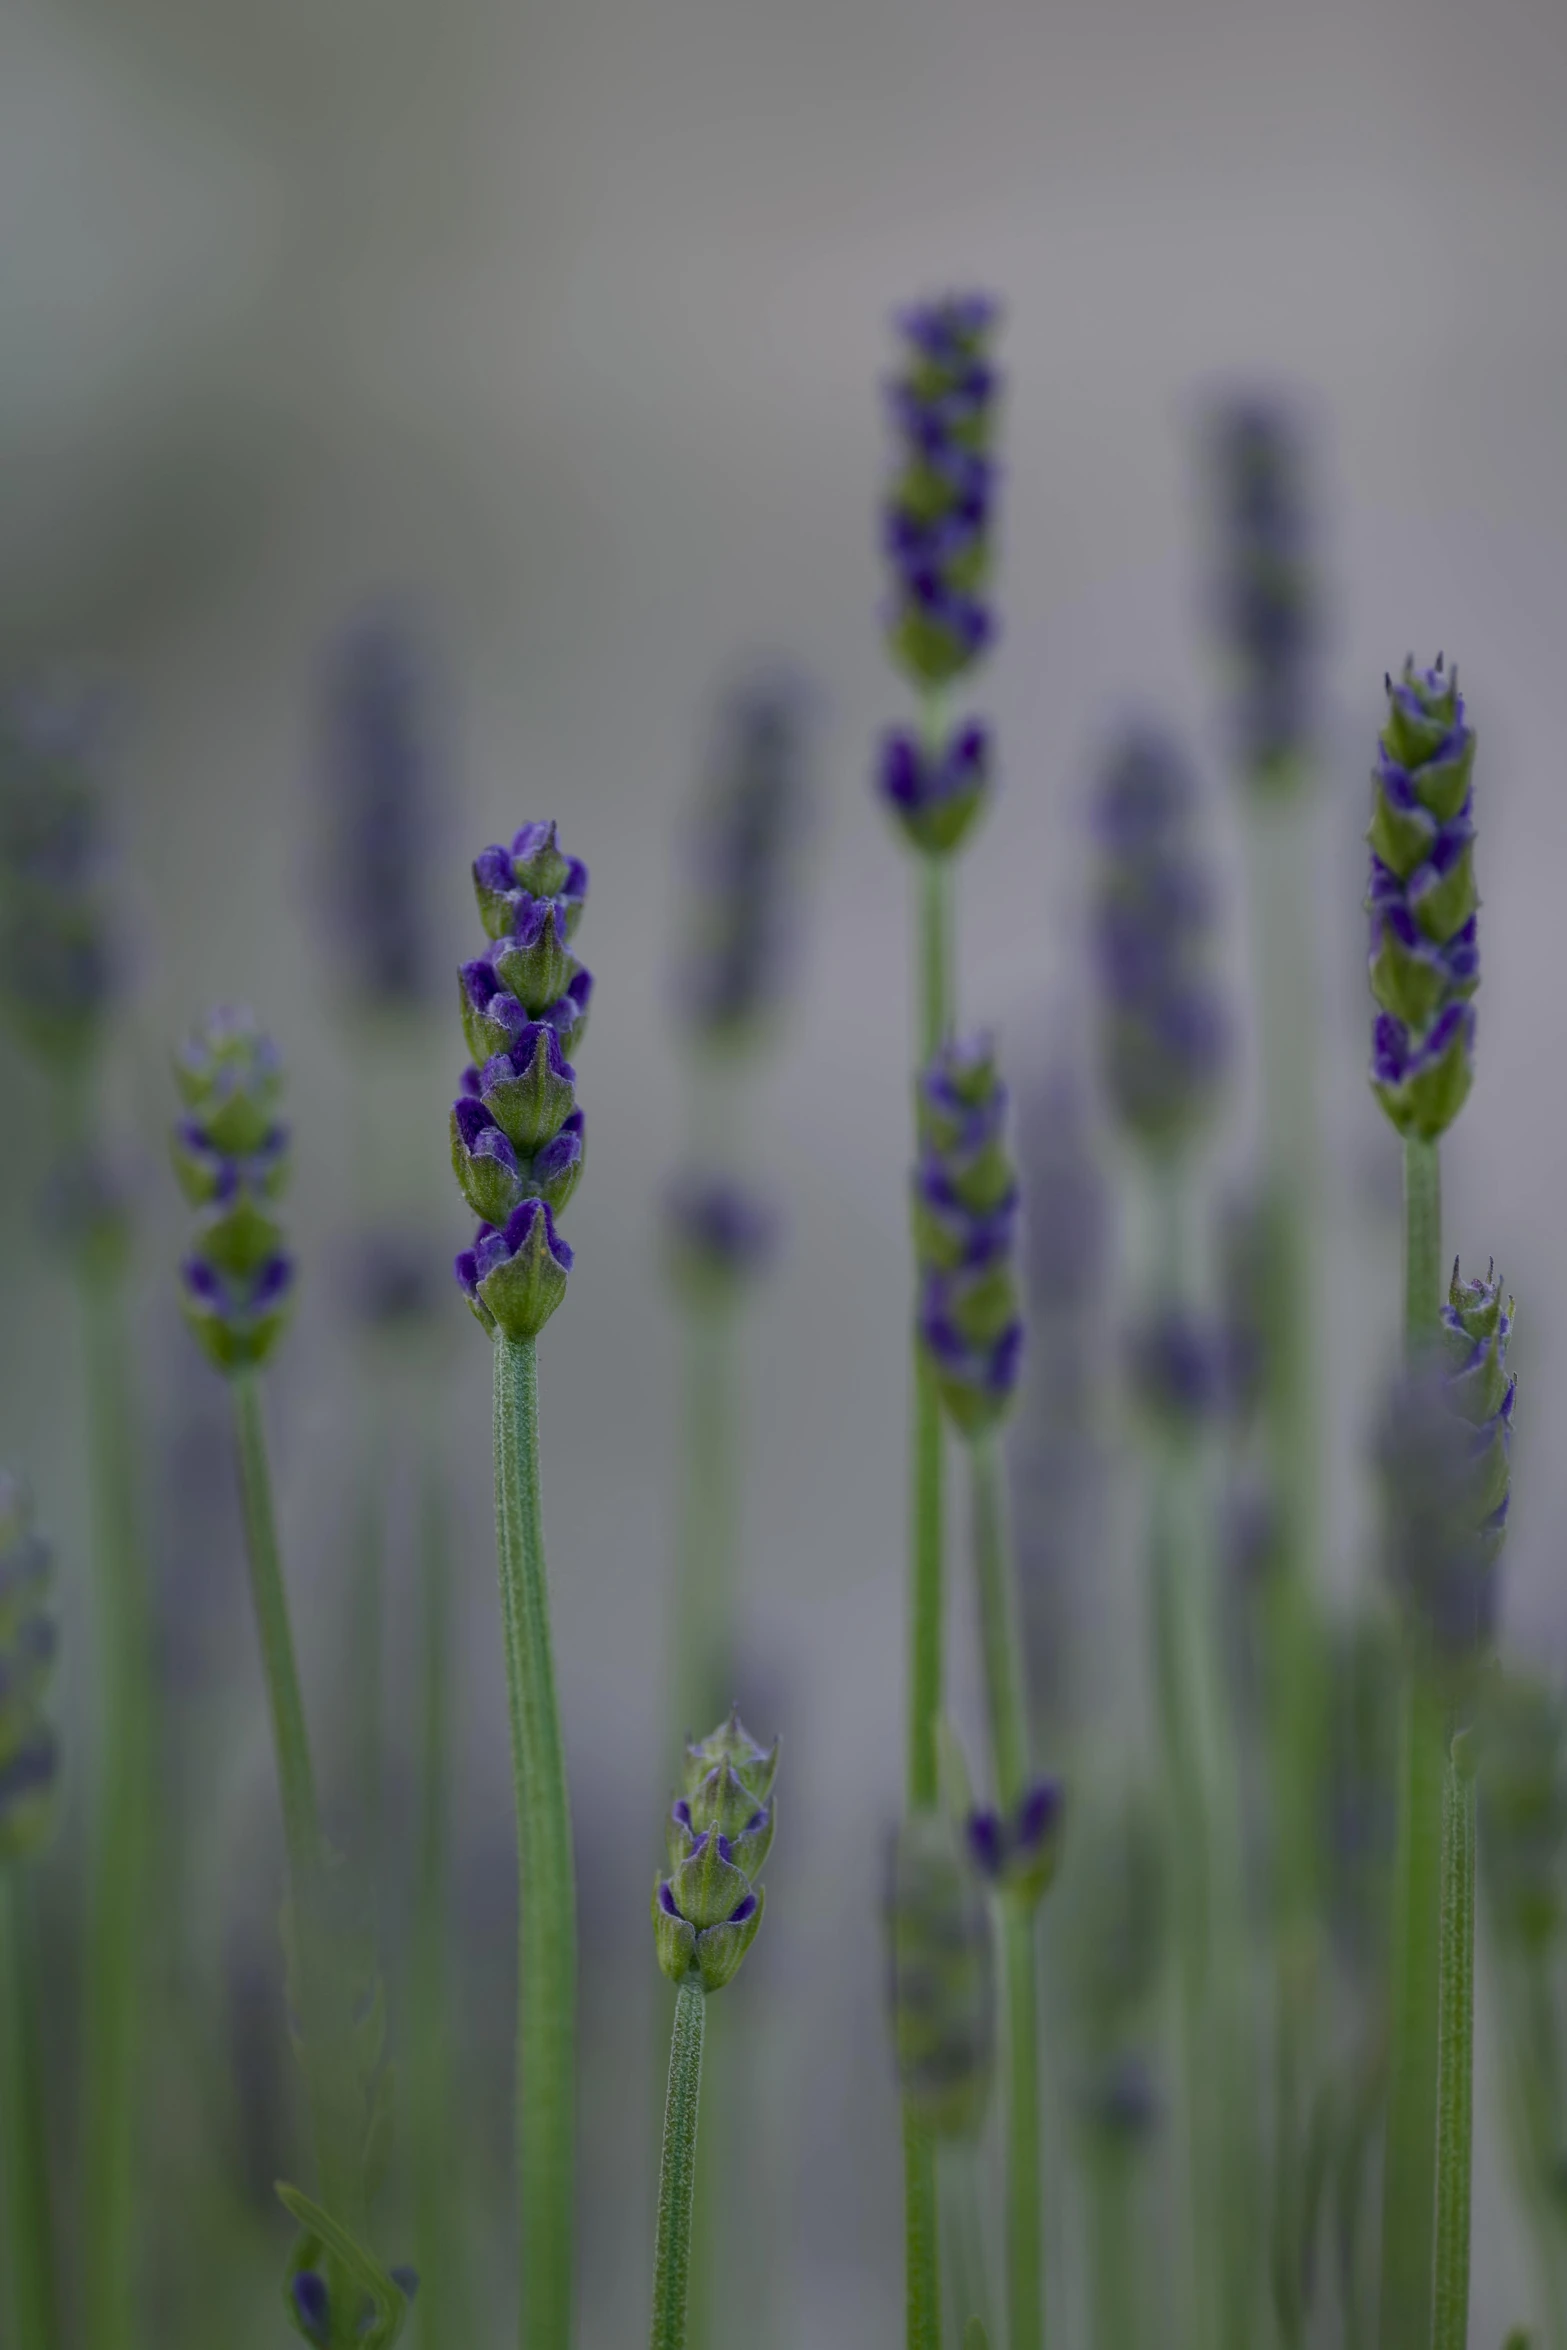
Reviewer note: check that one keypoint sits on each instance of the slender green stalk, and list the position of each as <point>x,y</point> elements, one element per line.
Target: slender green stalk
<point>29,2298</point>
<point>921,2228</point>
<point>1531,2039</point>
<point>1113,2242</point>
<point>547,1922</point>
<point>957,2173</point>
<point>441,2306</point>
<point>116,1945</point>
<point>1288,993</point>
<point>1025,2187</point>
<point>935,960</point>
<point>702,1623</point>
<point>1409,2161</point>
<point>1002,1648</point>
<point>366,1695</point>
<point>677,2171</point>
<point>1455,2069</point>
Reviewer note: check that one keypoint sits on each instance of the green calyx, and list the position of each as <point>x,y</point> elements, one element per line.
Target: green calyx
<point>231,1080</point>
<point>942,1978</point>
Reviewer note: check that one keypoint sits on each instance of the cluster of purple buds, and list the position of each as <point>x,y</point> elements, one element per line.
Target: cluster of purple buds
<point>57,965</point>
<point>231,1155</point>
<point>720,1237</point>
<point>939,542</point>
<point>379,789</point>
<point>1018,1852</point>
<point>516,1129</point>
<point>743,855</point>
<point>707,1909</point>
<point>965,1236</point>
<point>377,2318</point>
<point>1425,957</point>
<point>942,1977</point>
<point>1161,1021</point>
<point>1265,591</point>
<point>1446,1452</point>
<point>1178,1368</point>
<point>29,1761</point>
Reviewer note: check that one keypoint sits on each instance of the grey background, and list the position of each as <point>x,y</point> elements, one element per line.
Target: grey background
<point>567,321</point>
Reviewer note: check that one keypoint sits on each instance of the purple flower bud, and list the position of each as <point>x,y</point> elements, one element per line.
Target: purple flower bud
<point>937,531</point>
<point>707,1910</point>
<point>231,1157</point>
<point>29,1757</point>
<point>720,1236</point>
<point>1019,1853</point>
<point>515,1277</point>
<point>935,793</point>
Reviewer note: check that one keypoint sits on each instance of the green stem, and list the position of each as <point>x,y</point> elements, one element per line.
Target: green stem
<point>927,1595</point>
<point>116,1947</point>
<point>677,2171</point>
<point>1422,1241</point>
<point>921,2228</point>
<point>1455,2067</point>
<point>24,2150</point>
<point>440,2306</point>
<point>1000,1639</point>
<point>702,1644</point>
<point>335,2107</point>
<point>1024,2189</point>
<point>935,955</point>
<point>957,2187</point>
<point>546,1892</point>
<point>1409,2160</point>
<point>1111,2174</point>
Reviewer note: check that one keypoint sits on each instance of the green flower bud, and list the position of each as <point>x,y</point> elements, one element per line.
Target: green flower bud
<point>706,1912</point>
<point>943,1998</point>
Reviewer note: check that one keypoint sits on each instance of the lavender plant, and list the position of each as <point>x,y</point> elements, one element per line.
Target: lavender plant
<point>231,1157</point>
<point>517,1154</point>
<point>61,975</point>
<point>1163,1053</point>
<point>29,1770</point>
<point>1424,970</point>
<point>1267,610</point>
<point>938,533</point>
<point>739,928</point>
<point>706,1914</point>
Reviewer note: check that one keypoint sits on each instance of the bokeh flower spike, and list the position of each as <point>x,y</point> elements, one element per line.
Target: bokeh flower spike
<point>708,1907</point>
<point>1422,900</point>
<point>231,1155</point>
<point>1163,1041</point>
<point>965,1236</point>
<point>1265,594</point>
<point>1446,1453</point>
<point>516,1130</point>
<point>58,968</point>
<point>720,1237</point>
<point>29,1757</point>
<point>379,786</point>
<point>1018,1853</point>
<point>741,857</point>
<point>942,1977</point>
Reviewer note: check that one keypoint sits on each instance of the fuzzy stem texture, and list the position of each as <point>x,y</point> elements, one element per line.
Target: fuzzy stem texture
<point>1455,2069</point>
<point>677,2171</point>
<point>441,2310</point>
<point>116,1945</point>
<point>921,2225</point>
<point>27,2297</point>
<point>1409,2161</point>
<point>1002,1646</point>
<point>547,1924</point>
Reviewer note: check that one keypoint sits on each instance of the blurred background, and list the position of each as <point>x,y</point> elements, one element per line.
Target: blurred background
<point>559,330</point>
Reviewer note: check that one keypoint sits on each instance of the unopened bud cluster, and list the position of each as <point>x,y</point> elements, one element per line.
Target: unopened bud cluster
<point>708,1907</point>
<point>231,1155</point>
<point>28,1755</point>
<point>516,1129</point>
<point>943,1977</point>
<point>965,1236</point>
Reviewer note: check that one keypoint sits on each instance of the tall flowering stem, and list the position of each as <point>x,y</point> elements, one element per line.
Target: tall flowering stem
<point>938,523</point>
<point>965,1223</point>
<point>1163,1051</point>
<point>517,1138</point>
<point>231,1157</point>
<point>1266,607</point>
<point>28,1771</point>
<point>1424,968</point>
<point>707,1910</point>
<point>60,980</point>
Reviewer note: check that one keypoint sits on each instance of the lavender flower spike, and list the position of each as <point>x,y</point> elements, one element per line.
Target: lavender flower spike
<point>943,404</point>
<point>708,1908</point>
<point>231,1157</point>
<point>1422,900</point>
<point>516,1130</point>
<point>965,1232</point>
<point>1265,595</point>
<point>1162,1029</point>
<point>58,967</point>
<point>378,781</point>
<point>28,1756</point>
<point>943,1979</point>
